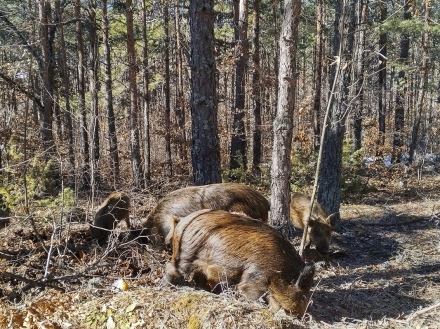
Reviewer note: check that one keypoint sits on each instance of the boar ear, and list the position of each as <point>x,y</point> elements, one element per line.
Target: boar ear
<point>173,222</point>
<point>312,222</point>
<point>332,220</point>
<point>305,279</point>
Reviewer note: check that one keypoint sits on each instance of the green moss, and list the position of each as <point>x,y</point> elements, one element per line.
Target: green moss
<point>194,322</point>
<point>188,302</point>
<point>98,318</point>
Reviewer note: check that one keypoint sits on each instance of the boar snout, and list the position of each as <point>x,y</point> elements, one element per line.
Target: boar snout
<point>320,235</point>
<point>172,275</point>
<point>294,298</point>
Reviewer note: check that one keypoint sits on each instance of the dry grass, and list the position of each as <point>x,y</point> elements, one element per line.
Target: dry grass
<point>384,273</point>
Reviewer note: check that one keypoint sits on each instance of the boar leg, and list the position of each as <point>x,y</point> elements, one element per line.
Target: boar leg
<point>273,304</point>
<point>253,285</point>
<point>127,220</point>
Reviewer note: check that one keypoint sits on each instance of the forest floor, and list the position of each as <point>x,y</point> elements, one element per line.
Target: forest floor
<point>383,272</point>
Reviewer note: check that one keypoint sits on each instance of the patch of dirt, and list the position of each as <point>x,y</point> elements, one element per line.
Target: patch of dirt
<point>383,272</point>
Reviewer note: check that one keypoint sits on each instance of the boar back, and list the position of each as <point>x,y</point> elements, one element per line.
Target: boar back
<point>233,197</point>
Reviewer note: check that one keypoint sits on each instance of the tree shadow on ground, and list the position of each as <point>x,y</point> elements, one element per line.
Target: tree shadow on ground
<point>370,304</point>
<point>383,271</point>
<point>372,242</point>
<point>372,295</point>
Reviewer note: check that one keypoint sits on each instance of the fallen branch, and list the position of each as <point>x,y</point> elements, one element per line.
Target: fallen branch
<point>31,283</point>
<point>8,256</point>
<point>83,274</point>
<point>422,311</point>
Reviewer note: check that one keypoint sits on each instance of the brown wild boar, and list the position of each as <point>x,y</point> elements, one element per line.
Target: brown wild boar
<point>213,249</point>
<point>232,197</point>
<point>320,224</point>
<point>115,208</point>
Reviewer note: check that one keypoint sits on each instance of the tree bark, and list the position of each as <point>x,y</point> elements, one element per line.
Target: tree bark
<point>318,75</point>
<point>205,150</point>
<point>329,181</point>
<point>146,97</point>
<point>382,80</point>
<point>276,49</point>
<point>238,157</point>
<point>47,79</point>
<point>256,88</point>
<point>181,103</point>
<point>134,129</point>
<point>93,91</point>
<point>66,95</point>
<point>358,110</point>
<point>167,120</point>
<point>399,110</point>
<point>422,85</point>
<point>283,123</point>
<point>85,170</point>
<point>108,83</point>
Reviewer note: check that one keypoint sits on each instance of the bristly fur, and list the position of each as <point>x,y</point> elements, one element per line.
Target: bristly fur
<point>215,248</point>
<point>231,197</point>
<point>320,224</point>
<point>115,208</point>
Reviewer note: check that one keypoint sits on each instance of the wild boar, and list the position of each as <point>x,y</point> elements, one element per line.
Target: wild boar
<point>215,248</point>
<point>233,197</point>
<point>320,224</point>
<point>113,209</point>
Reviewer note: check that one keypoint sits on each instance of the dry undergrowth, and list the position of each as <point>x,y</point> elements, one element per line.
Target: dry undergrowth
<point>384,273</point>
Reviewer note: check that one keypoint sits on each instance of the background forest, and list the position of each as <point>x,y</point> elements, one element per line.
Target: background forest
<point>97,96</point>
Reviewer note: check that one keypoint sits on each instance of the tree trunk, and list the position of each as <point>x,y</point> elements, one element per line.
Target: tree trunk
<point>134,129</point>
<point>283,123</point>
<point>57,125</point>
<point>318,75</point>
<point>382,80</point>
<point>276,49</point>
<point>108,83</point>
<point>205,150</point>
<point>422,86</point>
<point>238,158</point>
<point>329,193</point>
<point>47,79</point>
<point>181,103</point>
<point>85,180</point>
<point>93,91</point>
<point>256,89</point>
<point>146,99</point>
<point>169,168</point>
<point>399,110</point>
<point>358,111</point>
<point>66,95</point>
